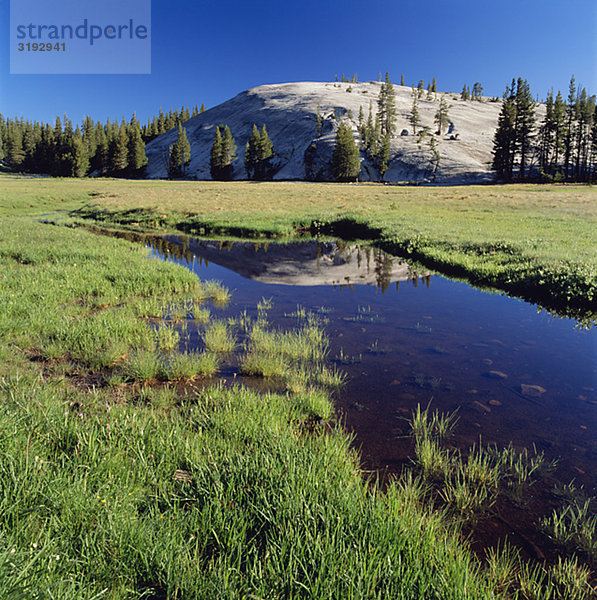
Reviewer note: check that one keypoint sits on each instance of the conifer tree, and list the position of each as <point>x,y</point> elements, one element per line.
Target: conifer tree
<point>223,153</point>
<point>435,156</point>
<point>465,94</point>
<point>414,116</point>
<point>386,107</point>
<point>251,150</point>
<point>477,93</point>
<point>513,136</point>
<point>345,160</point>
<point>420,89</point>
<point>525,123</point>
<point>136,148</point>
<point>99,160</point>
<point>79,157</point>
<point>14,147</point>
<point>118,150</point>
<point>504,142</point>
<point>361,125</point>
<point>215,159</point>
<point>442,118</point>
<point>402,79</point>
<point>179,154</point>
<point>434,86</point>
<point>228,153</point>
<point>383,155</point>
<point>202,109</point>
<point>546,132</point>
<point>559,129</point>
<point>259,151</point>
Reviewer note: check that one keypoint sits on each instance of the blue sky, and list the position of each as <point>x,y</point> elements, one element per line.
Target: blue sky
<point>210,50</point>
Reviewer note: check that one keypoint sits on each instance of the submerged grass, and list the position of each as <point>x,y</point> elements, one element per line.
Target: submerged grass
<point>573,526</point>
<point>469,485</point>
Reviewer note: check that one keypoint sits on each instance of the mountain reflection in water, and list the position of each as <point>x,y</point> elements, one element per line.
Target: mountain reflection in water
<point>297,263</point>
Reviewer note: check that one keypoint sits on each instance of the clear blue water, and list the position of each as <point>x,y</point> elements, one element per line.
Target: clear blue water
<point>416,338</point>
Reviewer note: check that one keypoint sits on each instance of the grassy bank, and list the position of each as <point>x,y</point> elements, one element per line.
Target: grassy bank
<point>535,241</point>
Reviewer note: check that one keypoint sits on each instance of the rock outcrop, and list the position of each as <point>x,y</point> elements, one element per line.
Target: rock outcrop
<point>289,112</point>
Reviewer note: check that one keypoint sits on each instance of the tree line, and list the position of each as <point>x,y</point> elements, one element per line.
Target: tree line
<point>63,150</point>
<point>561,147</point>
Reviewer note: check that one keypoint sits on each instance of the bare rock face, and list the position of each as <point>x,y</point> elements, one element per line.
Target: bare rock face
<point>289,112</point>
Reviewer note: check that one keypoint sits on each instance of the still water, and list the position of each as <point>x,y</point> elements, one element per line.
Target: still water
<point>404,338</point>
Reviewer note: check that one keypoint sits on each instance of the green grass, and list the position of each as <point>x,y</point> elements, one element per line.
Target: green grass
<point>468,485</point>
<point>264,511</point>
<point>573,526</point>
<point>114,485</point>
<point>189,365</point>
<point>218,338</point>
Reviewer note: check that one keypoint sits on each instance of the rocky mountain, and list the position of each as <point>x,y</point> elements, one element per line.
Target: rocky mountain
<point>289,111</point>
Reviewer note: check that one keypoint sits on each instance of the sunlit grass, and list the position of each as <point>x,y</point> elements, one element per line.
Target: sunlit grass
<point>218,337</point>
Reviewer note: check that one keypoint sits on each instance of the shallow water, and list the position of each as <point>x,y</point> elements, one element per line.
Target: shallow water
<point>513,373</point>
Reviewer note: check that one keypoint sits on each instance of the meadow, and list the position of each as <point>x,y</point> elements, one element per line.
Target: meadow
<point>534,241</point>
<point>129,471</point>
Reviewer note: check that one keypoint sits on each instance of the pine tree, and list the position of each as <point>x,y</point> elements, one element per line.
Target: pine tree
<point>228,153</point>
<point>383,155</point>
<point>14,147</point>
<point>179,154</point>
<point>361,125</point>
<point>136,148</point>
<point>99,161</point>
<point>259,151</point>
<point>414,116</point>
<point>546,133</point>
<point>477,93</point>
<point>223,153</point>
<point>118,150</point>
<point>434,86</point>
<point>202,109</point>
<point>386,107</point>
<point>89,136</point>
<point>504,141</point>
<point>559,130</point>
<point>266,153</point>
<point>251,151</point>
<point>79,156</point>
<point>584,121</point>
<point>345,160</point>
<point>465,94</point>
<point>442,118</point>
<point>525,123</point>
<point>402,79</point>
<point>435,156</point>
<point>215,159</point>
<point>420,89</point>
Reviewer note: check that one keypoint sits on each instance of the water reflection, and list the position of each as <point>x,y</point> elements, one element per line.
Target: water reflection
<point>312,263</point>
<point>514,374</point>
